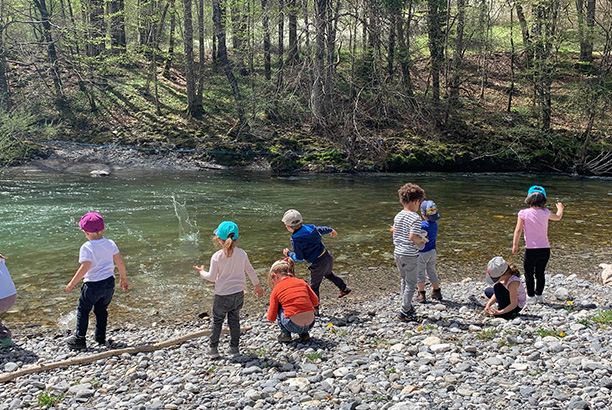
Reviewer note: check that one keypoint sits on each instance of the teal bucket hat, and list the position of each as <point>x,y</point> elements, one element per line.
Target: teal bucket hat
<point>536,188</point>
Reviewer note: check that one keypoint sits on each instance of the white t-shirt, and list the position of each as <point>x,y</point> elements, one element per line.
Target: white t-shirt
<point>228,273</point>
<point>7,287</point>
<point>100,253</point>
<point>405,223</point>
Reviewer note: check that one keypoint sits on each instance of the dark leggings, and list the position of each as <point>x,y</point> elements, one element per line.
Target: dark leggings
<point>502,295</point>
<point>535,264</point>
<point>322,268</point>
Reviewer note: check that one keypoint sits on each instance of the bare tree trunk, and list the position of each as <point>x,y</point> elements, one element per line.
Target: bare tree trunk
<point>520,14</point>
<point>224,60</point>
<point>239,21</point>
<point>201,56</point>
<point>168,64</point>
<point>403,35</point>
<point>317,97</point>
<point>97,30</point>
<point>190,79</point>
<point>281,44</point>
<point>392,39</point>
<point>436,43</point>
<point>266,40</point>
<point>116,10</point>
<point>333,12</point>
<point>5,97</point>
<point>293,9</point>
<point>512,59</point>
<point>586,23</point>
<point>458,54</point>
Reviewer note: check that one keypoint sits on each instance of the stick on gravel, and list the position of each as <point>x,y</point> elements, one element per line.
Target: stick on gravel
<point>5,377</point>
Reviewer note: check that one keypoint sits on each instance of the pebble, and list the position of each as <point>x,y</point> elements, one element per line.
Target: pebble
<point>549,357</point>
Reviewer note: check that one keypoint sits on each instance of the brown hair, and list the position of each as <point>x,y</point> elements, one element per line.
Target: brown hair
<point>410,192</point>
<point>514,271</point>
<point>283,267</point>
<point>536,200</point>
<point>228,245</point>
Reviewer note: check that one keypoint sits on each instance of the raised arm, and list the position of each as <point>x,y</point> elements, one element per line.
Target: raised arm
<point>559,214</point>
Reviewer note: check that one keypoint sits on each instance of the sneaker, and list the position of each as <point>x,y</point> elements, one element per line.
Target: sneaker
<point>407,317</point>
<point>436,294</point>
<point>304,336</point>
<point>421,297</point>
<point>6,342</point>
<point>531,300</point>
<point>539,298</point>
<point>234,351</point>
<point>100,340</point>
<point>344,292</point>
<point>76,342</point>
<point>213,353</point>
<point>284,337</point>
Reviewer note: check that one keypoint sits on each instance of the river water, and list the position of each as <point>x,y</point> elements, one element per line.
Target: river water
<point>162,223</point>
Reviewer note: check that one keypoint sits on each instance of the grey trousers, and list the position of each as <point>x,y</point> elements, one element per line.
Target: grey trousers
<point>5,304</point>
<point>226,305</point>
<point>427,266</point>
<point>408,271</point>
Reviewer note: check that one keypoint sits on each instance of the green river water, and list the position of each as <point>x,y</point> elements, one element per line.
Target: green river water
<point>162,223</point>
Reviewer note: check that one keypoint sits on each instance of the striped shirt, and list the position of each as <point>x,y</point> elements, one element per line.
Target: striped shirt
<point>405,223</point>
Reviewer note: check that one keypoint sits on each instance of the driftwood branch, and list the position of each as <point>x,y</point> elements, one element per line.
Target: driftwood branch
<point>5,377</point>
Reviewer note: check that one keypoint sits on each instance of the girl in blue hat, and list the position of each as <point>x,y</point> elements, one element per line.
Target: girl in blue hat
<point>533,221</point>
<point>227,269</point>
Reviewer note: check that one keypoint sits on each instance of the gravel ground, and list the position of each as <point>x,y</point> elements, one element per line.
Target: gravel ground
<point>556,355</point>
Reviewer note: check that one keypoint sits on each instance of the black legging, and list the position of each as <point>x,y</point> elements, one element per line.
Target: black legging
<point>535,264</point>
<point>502,296</point>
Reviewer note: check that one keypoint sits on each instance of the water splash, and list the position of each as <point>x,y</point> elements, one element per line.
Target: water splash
<point>67,320</point>
<point>188,229</point>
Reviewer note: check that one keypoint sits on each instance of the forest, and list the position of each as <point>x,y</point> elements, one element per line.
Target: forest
<point>320,85</point>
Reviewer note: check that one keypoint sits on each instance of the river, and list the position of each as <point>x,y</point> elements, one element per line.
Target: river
<point>162,222</point>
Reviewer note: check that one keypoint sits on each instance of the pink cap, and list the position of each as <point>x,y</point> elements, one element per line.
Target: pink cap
<point>92,222</point>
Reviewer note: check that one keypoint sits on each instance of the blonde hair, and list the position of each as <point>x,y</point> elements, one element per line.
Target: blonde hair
<point>228,245</point>
<point>283,267</point>
<point>513,270</point>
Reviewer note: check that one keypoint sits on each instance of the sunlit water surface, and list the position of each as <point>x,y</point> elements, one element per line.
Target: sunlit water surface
<point>162,223</point>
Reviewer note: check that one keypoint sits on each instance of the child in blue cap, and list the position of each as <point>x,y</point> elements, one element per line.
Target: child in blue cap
<point>227,269</point>
<point>428,255</point>
<point>533,221</point>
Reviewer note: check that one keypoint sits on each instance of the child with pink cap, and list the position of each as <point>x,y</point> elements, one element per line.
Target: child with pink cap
<point>98,257</point>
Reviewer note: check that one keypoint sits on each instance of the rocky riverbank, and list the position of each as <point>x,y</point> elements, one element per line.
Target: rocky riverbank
<point>554,356</point>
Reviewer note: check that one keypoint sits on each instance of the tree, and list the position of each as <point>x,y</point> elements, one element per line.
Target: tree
<point>435,20</point>
<point>116,15</point>
<point>586,24</point>
<point>193,108</point>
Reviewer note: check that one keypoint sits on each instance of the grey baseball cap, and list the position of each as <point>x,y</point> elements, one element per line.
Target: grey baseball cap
<point>292,218</point>
<point>495,269</point>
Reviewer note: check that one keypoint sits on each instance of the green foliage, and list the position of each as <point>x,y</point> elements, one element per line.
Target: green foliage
<point>313,356</point>
<point>603,318</point>
<point>486,334</point>
<point>16,128</point>
<point>548,332</point>
<point>95,383</point>
<point>46,399</point>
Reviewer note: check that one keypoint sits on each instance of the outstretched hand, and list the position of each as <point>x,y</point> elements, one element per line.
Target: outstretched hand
<point>198,268</point>
<point>286,251</point>
<point>333,233</point>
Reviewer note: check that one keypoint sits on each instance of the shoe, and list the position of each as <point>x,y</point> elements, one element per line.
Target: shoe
<point>436,294</point>
<point>304,336</point>
<point>100,340</point>
<point>539,298</point>
<point>213,353</point>
<point>76,342</point>
<point>407,317</point>
<point>531,300</point>
<point>344,292</point>
<point>6,342</point>
<point>234,350</point>
<point>421,297</point>
<point>284,337</point>
<point>316,310</point>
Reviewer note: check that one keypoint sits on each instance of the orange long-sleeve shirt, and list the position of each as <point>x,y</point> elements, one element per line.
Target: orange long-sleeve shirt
<point>294,295</point>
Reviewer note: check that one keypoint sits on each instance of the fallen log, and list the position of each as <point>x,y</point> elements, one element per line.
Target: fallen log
<point>5,377</point>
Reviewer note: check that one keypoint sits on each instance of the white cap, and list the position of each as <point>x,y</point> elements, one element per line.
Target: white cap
<point>292,218</point>
<point>495,269</point>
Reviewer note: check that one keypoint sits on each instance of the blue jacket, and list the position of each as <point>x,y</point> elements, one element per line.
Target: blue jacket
<point>306,243</point>
<point>432,233</point>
